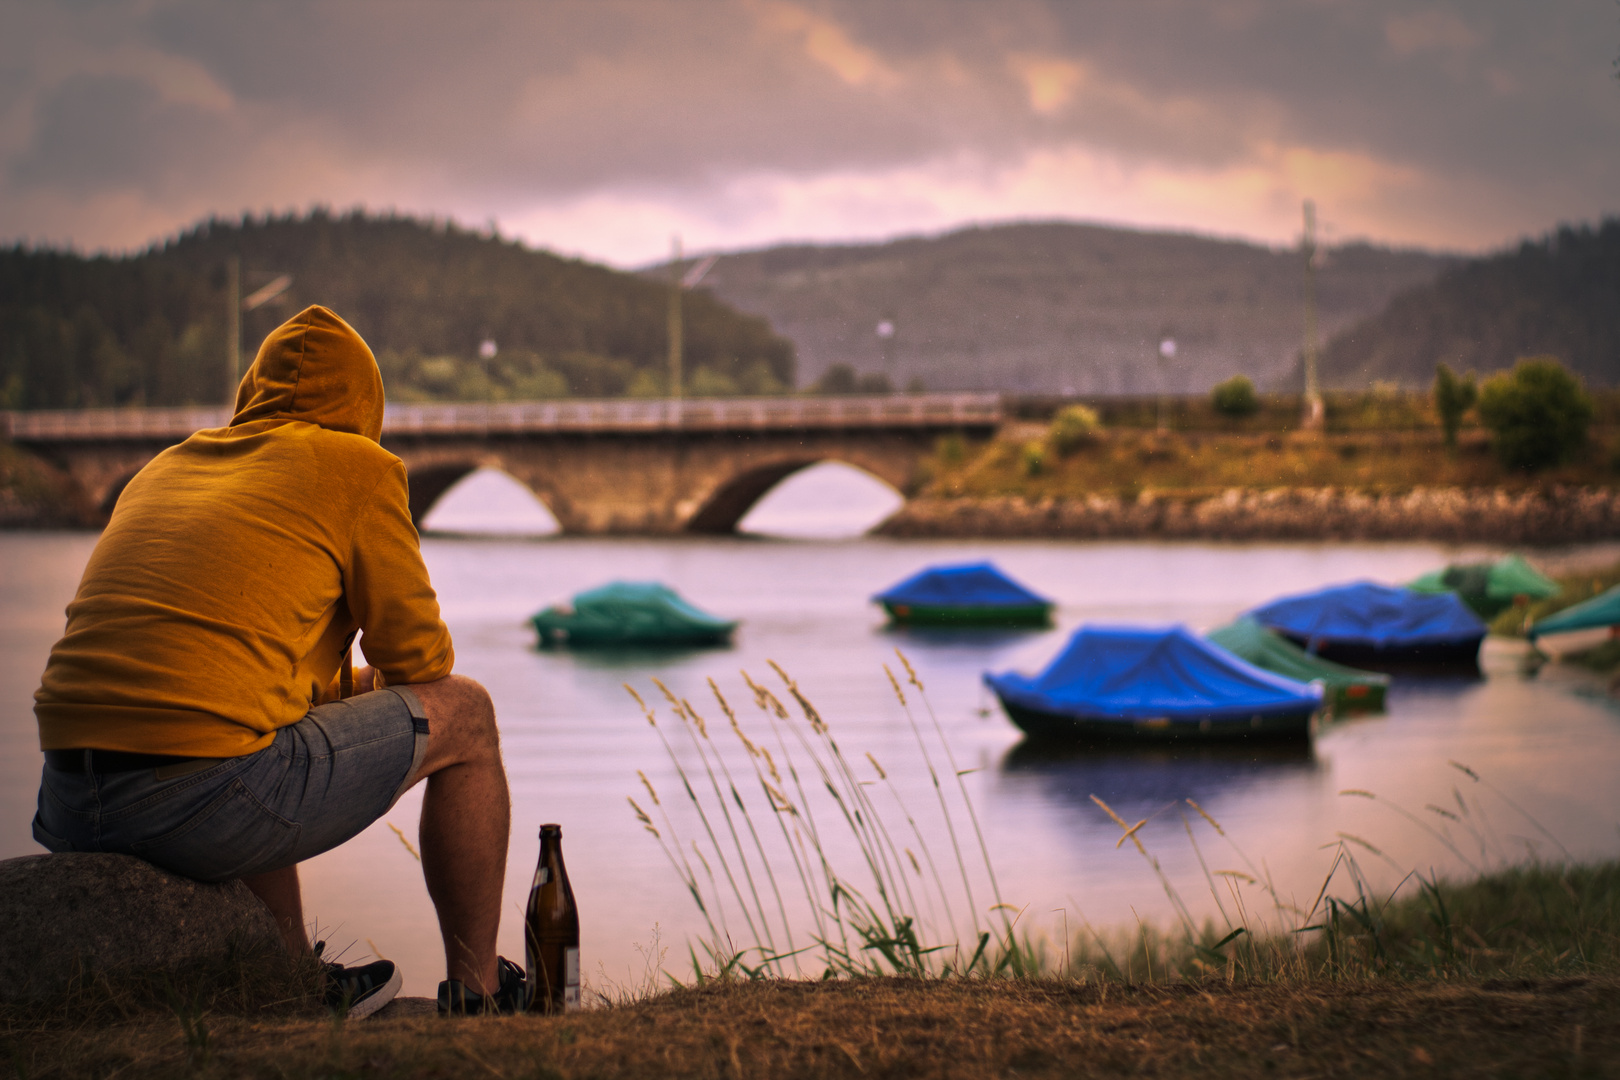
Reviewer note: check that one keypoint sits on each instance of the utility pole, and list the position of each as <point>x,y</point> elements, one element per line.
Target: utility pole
<point>1312,420</point>
<point>233,327</point>
<point>675,320</point>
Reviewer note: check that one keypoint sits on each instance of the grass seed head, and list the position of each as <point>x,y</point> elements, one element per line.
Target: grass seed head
<point>1204,814</point>
<point>895,683</point>
<point>911,672</point>
<point>703,728</point>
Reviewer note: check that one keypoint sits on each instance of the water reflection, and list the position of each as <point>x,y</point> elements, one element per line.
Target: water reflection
<point>1140,782</point>
<point>632,657</point>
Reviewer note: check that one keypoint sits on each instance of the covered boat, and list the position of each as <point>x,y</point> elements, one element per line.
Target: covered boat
<point>1346,688</point>
<point>630,613</point>
<point>1153,684</point>
<point>1489,588</point>
<point>1600,611</point>
<point>1381,627</point>
<point>967,594</point>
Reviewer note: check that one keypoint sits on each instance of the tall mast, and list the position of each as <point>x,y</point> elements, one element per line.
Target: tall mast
<point>1313,389</point>
<point>675,320</point>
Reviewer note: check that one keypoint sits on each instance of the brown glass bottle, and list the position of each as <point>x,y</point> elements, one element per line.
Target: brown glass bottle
<point>551,930</point>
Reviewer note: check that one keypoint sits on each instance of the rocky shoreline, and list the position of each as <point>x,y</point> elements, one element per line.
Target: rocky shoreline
<point>1552,515</point>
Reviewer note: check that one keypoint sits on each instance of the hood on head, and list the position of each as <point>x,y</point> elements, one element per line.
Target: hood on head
<point>315,368</point>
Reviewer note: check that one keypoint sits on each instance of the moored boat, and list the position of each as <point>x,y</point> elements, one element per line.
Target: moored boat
<point>1346,689</point>
<point>630,613</point>
<point>1142,684</point>
<point>965,594</point>
<point>1489,588</point>
<point>1603,610</point>
<point>1379,627</point>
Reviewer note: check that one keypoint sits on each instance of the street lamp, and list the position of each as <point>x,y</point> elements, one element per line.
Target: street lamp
<point>1167,352</point>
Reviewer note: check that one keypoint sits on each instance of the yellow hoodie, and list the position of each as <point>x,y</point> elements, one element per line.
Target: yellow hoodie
<point>237,566</point>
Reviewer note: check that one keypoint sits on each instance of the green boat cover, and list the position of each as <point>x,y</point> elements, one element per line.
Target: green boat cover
<point>1601,610</point>
<point>630,613</point>
<point>1489,588</point>
<point>1248,640</point>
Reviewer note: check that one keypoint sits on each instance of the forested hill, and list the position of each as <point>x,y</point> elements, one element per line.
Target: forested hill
<point>1559,295</point>
<point>1055,306</point>
<point>151,328</point>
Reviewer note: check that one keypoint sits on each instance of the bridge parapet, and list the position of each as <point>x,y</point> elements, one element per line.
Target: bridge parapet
<point>614,416</point>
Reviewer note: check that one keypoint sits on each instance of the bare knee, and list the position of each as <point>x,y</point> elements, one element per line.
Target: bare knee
<point>461,718</point>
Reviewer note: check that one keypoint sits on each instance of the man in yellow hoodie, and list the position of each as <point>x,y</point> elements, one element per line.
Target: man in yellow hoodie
<point>193,713</point>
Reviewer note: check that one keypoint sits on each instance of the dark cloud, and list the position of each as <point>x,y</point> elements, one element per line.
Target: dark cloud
<point>1439,123</point>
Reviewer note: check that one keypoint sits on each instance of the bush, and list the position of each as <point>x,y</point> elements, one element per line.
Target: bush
<point>1453,396</point>
<point>1073,427</point>
<point>1032,460</point>
<point>1538,413</point>
<point>1235,397</point>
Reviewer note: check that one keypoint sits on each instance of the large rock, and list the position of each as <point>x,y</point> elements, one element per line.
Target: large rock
<point>114,913</point>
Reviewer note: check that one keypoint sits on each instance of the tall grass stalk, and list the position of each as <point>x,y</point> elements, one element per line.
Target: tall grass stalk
<point>868,926</point>
<point>871,923</point>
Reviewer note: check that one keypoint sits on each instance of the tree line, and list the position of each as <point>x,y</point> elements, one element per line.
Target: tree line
<point>452,314</point>
<point>1558,295</point>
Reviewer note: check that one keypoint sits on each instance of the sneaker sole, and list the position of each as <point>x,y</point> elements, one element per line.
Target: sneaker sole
<point>377,998</point>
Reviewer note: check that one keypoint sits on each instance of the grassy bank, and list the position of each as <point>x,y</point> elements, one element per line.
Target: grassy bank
<point>1513,974</point>
<point>1128,461</point>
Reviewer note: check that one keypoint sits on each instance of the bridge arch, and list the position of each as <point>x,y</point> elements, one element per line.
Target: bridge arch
<point>428,483</point>
<point>109,498</point>
<point>731,500</point>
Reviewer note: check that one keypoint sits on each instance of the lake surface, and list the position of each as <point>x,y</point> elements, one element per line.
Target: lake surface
<point>574,739</point>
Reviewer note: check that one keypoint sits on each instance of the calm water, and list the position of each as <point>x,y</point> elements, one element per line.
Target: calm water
<point>574,740</point>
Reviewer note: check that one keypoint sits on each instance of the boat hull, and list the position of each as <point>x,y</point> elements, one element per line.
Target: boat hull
<point>1356,697</point>
<point>975,615</point>
<point>583,636</point>
<point>1046,725</point>
<point>1458,657</point>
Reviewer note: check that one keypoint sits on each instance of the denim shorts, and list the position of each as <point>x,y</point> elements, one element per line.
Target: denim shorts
<point>321,782</point>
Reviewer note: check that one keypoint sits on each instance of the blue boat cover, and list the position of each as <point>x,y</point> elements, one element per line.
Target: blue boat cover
<point>1601,610</point>
<point>1132,672</point>
<point>963,585</point>
<point>1367,613</point>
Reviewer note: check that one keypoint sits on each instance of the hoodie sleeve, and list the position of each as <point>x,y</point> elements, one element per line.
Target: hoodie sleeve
<point>388,592</point>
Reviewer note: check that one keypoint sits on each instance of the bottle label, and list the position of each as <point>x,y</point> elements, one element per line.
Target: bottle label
<point>541,876</point>
<point>571,979</point>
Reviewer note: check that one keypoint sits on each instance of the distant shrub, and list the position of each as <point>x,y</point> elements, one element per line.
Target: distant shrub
<point>950,448</point>
<point>837,379</point>
<point>844,379</point>
<point>1538,413</point>
<point>1453,396</point>
<point>1074,426</point>
<point>1235,397</point>
<point>1032,460</point>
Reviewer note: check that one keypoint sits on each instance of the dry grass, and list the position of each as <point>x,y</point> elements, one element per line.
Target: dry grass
<point>1126,462</point>
<point>905,1027</point>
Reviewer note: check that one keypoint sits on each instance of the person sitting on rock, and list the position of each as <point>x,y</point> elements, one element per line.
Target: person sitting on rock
<point>195,714</point>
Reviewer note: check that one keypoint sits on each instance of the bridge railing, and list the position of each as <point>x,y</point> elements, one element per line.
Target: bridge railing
<point>541,417</point>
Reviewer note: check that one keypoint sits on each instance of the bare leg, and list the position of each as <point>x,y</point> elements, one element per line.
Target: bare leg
<point>466,823</point>
<point>279,891</point>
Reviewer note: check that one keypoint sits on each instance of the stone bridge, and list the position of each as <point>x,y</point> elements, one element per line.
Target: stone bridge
<point>601,467</point>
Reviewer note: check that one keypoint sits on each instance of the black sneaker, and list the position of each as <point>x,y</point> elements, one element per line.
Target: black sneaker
<point>359,991</point>
<point>456,1000</point>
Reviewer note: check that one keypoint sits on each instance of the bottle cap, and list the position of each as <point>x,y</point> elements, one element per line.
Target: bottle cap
<point>553,828</point>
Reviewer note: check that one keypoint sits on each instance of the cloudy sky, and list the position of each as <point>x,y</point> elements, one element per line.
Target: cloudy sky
<point>603,127</point>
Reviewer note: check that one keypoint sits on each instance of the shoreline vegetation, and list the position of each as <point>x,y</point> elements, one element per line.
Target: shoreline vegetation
<point>1384,467</point>
<point>1510,968</point>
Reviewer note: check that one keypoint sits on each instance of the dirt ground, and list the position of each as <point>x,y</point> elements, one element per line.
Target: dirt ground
<point>908,1028</point>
